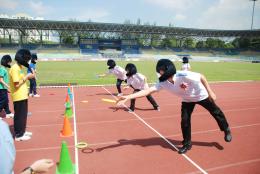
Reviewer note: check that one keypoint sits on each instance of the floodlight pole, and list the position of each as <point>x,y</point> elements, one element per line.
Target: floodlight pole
<point>252,22</point>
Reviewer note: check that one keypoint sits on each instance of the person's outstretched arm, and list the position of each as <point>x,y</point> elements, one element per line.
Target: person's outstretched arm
<point>142,93</point>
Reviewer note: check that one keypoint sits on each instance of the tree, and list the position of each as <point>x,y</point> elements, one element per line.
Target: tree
<point>229,45</point>
<point>68,39</point>
<point>155,40</point>
<point>189,43</point>
<point>255,43</point>
<point>211,43</point>
<point>244,43</point>
<point>241,42</point>
<point>166,42</point>
<point>200,44</point>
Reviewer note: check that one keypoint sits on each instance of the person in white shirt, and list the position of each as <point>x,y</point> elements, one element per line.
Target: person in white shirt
<point>117,71</point>
<point>194,89</point>
<point>138,82</point>
<point>185,64</point>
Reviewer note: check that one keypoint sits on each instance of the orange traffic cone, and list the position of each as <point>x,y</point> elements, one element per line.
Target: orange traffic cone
<point>67,98</point>
<point>66,130</point>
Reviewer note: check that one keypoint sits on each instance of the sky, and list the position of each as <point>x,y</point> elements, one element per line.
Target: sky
<point>205,14</point>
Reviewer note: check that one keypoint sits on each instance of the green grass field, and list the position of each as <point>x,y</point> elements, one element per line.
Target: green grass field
<point>85,72</point>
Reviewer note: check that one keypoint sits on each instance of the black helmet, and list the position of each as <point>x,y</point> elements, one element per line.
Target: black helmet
<point>185,59</point>
<point>167,67</point>
<point>34,57</point>
<point>130,69</point>
<point>111,63</point>
<point>23,56</point>
<point>5,60</point>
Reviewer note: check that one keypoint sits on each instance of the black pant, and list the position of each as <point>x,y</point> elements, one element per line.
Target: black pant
<point>118,85</point>
<point>20,117</point>
<point>33,85</point>
<point>187,109</point>
<point>4,102</point>
<point>149,98</point>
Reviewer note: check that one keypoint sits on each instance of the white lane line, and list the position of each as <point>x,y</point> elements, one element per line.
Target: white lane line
<point>75,133</point>
<point>80,86</point>
<point>230,165</point>
<point>147,118</point>
<point>165,139</point>
<point>214,130</point>
<point>115,142</point>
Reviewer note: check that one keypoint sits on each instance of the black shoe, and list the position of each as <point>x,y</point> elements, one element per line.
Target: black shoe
<point>228,136</point>
<point>185,148</point>
<point>157,108</point>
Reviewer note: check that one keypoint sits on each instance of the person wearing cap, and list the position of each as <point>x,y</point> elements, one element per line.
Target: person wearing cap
<point>138,82</point>
<point>194,89</point>
<point>4,85</point>
<point>33,83</point>
<point>185,64</point>
<point>19,93</point>
<point>117,71</point>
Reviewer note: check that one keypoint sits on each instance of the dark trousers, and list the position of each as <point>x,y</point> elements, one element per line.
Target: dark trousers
<point>186,111</point>
<point>118,85</point>
<point>33,86</point>
<point>4,102</point>
<point>20,117</point>
<point>149,98</point>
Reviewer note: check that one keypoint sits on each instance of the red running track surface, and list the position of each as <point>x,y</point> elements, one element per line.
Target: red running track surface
<point>119,143</point>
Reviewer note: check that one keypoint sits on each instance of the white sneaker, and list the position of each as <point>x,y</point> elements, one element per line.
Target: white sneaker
<point>119,94</point>
<point>130,111</point>
<point>30,95</point>
<point>28,133</point>
<point>22,138</point>
<point>36,95</point>
<point>11,115</point>
<point>157,109</point>
<point>1,118</point>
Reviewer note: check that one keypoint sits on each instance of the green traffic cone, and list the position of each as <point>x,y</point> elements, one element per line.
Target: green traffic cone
<point>68,111</point>
<point>65,165</point>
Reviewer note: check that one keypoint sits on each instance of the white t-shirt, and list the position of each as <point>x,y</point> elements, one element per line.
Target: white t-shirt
<point>7,149</point>
<point>185,67</point>
<point>119,72</point>
<point>194,90</point>
<point>137,81</point>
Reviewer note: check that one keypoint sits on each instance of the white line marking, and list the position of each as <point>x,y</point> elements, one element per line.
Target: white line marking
<point>147,118</point>
<point>230,165</point>
<point>165,139</point>
<point>79,86</point>
<point>214,130</point>
<point>105,108</point>
<point>75,133</point>
<point>115,142</point>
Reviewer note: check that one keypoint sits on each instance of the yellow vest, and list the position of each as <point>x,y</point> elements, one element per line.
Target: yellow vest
<point>16,74</point>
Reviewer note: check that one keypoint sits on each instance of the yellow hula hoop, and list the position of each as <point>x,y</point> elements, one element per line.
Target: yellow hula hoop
<point>82,145</point>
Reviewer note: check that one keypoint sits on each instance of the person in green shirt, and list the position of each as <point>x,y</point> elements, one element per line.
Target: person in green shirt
<point>4,87</point>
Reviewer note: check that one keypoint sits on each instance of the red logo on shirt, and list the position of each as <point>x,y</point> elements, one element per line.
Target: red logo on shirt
<point>184,86</point>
